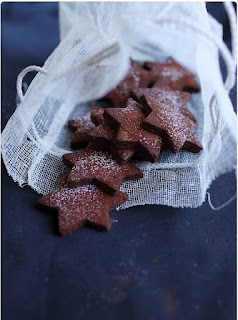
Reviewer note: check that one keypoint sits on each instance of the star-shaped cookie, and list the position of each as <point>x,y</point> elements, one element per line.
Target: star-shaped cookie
<point>130,134</point>
<point>97,116</point>
<point>97,167</point>
<point>137,77</point>
<point>167,121</point>
<point>162,94</point>
<point>105,136</point>
<point>82,127</point>
<point>172,74</point>
<point>85,205</point>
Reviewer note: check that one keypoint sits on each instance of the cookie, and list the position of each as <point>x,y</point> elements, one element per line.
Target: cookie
<point>192,143</point>
<point>100,169</point>
<point>97,116</point>
<point>176,97</point>
<point>170,124</point>
<point>137,77</point>
<point>80,122</point>
<point>121,155</point>
<point>172,74</point>
<point>82,127</point>
<point>106,136</point>
<point>85,205</point>
<point>130,134</point>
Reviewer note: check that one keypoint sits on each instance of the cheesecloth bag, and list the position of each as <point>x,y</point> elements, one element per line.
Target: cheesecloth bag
<point>97,40</point>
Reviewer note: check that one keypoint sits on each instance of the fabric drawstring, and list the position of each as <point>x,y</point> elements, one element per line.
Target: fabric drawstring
<point>22,75</point>
<point>222,206</point>
<point>232,19</point>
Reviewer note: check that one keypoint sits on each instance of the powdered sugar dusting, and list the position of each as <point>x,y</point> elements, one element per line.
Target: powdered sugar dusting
<point>81,202</point>
<point>83,123</point>
<point>103,131</point>
<point>132,80</point>
<point>176,97</point>
<point>131,131</point>
<point>136,77</point>
<point>97,161</point>
<point>174,74</point>
<point>96,165</point>
<point>168,119</point>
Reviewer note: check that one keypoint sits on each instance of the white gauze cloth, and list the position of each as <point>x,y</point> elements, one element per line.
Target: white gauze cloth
<point>97,39</point>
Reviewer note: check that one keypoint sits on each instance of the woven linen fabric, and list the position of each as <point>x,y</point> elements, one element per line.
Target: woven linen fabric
<point>97,40</point>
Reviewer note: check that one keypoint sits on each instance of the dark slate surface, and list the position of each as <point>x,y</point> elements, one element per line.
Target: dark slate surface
<point>155,263</point>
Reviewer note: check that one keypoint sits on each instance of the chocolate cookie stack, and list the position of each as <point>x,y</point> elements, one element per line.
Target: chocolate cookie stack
<point>148,114</point>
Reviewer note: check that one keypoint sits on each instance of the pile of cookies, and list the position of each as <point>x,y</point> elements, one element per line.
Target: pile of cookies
<point>147,114</point>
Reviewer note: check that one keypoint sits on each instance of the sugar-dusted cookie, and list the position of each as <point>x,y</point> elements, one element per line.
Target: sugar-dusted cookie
<point>130,134</point>
<point>85,205</point>
<point>82,127</point>
<point>174,75</point>
<point>105,135</point>
<point>176,97</point>
<point>97,116</point>
<point>97,167</point>
<point>169,123</point>
<point>137,77</point>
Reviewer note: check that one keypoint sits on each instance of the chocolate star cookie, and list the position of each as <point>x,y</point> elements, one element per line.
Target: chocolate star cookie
<point>97,116</point>
<point>104,135</point>
<point>176,97</point>
<point>167,121</point>
<point>80,122</point>
<point>82,127</point>
<point>172,74</point>
<point>192,144</point>
<point>100,169</point>
<point>120,154</point>
<point>85,205</point>
<point>137,77</point>
<point>130,134</point>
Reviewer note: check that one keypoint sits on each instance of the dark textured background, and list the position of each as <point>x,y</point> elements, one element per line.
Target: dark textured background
<point>155,263</point>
